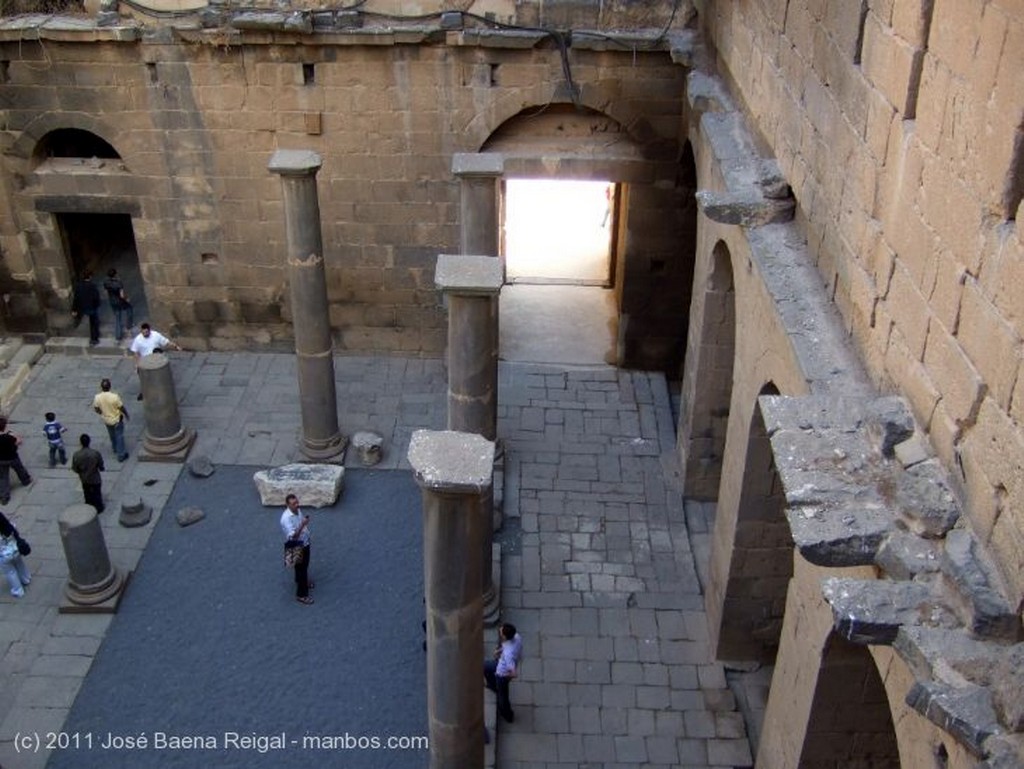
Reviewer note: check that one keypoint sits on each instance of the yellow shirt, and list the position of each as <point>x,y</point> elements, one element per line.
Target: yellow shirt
<point>110,406</point>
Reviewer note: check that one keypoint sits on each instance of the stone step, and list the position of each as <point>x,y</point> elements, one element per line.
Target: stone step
<point>16,370</point>
<point>77,345</point>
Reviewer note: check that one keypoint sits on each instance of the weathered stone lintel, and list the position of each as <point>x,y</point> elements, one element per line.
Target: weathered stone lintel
<point>745,210</point>
<point>707,94</point>
<point>872,611</point>
<point>838,536</point>
<point>984,608</point>
<point>268,21</point>
<point>965,712</point>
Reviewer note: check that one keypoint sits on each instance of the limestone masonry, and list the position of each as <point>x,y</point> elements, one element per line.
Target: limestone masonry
<point>815,230</point>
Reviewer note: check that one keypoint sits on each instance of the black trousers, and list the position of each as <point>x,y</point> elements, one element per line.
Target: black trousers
<point>499,685</point>
<point>93,495</point>
<point>302,574</point>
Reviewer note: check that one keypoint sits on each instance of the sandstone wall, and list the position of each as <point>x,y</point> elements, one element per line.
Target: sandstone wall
<point>901,132</point>
<point>196,121</point>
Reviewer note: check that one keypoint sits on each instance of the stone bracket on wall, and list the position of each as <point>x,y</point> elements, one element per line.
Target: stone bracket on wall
<point>861,490</point>
<point>756,193</point>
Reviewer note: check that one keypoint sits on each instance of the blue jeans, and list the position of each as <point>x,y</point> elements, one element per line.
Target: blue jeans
<point>124,318</point>
<point>17,575</point>
<point>116,433</point>
<point>58,450</point>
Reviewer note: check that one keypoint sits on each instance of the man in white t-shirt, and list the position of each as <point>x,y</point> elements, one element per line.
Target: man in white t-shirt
<point>295,525</point>
<point>148,341</point>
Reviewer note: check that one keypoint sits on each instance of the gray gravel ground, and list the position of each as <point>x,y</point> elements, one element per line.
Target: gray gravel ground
<point>209,640</point>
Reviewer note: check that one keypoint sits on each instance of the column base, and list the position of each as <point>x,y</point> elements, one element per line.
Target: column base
<point>173,449</point>
<point>324,449</point>
<point>101,598</point>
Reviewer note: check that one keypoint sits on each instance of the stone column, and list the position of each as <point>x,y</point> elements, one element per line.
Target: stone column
<point>93,583</point>
<point>471,284</point>
<point>314,346</point>
<point>454,471</point>
<point>479,200</point>
<point>164,438</point>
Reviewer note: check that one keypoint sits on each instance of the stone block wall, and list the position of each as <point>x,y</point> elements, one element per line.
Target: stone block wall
<point>195,122</point>
<point>901,132</point>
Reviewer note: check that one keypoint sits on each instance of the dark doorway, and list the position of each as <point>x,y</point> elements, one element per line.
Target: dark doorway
<point>99,242</point>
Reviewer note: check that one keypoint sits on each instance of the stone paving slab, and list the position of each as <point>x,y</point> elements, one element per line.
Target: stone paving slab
<point>598,565</point>
<point>604,587</point>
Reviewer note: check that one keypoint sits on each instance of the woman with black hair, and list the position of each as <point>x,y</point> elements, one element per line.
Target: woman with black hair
<point>11,562</point>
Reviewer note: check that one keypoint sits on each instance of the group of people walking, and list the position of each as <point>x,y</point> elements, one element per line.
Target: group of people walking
<point>87,462</point>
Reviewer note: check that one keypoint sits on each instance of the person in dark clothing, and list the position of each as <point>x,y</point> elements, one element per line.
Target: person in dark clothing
<point>9,460</point>
<point>87,302</point>
<point>124,313</point>
<point>88,463</point>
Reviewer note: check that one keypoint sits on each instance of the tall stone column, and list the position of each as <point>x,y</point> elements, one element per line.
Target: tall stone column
<point>471,284</point>
<point>454,471</point>
<point>94,585</point>
<point>164,438</point>
<point>314,346</point>
<point>479,200</point>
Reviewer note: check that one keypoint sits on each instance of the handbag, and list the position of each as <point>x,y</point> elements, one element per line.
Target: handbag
<point>293,552</point>
<point>23,546</point>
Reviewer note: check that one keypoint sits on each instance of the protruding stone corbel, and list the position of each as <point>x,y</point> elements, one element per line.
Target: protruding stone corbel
<point>872,611</point>
<point>746,210</point>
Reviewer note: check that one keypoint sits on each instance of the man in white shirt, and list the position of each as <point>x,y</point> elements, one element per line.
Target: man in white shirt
<point>148,341</point>
<point>499,672</point>
<point>295,526</point>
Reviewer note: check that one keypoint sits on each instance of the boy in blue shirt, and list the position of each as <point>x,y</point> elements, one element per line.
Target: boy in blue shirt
<point>53,430</point>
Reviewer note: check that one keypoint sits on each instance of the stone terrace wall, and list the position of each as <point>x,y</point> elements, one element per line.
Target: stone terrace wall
<point>196,122</point>
<point>902,134</point>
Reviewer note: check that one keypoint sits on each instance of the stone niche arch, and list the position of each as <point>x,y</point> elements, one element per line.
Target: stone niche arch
<point>707,383</point>
<point>654,237</point>
<point>78,207</point>
<point>850,721</point>
<point>758,562</point>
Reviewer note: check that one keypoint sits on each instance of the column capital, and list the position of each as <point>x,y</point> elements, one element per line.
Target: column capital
<point>452,462</point>
<point>478,164</point>
<point>295,162</point>
<point>469,275</point>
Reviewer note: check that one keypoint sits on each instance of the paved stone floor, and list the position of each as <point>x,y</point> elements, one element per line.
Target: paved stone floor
<point>598,571</point>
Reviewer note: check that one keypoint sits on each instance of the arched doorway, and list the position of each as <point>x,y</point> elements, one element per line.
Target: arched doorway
<point>761,561</point>
<point>96,232</point>
<point>707,388</point>
<point>850,721</point>
<point>628,314</point>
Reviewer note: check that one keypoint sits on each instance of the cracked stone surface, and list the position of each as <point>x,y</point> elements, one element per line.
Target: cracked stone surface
<point>965,712</point>
<point>872,611</point>
<point>988,613</point>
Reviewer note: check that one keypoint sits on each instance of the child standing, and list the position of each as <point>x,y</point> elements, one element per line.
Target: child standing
<point>53,430</point>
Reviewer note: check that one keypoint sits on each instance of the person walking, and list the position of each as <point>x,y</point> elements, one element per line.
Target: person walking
<point>147,342</point>
<point>499,672</point>
<point>11,562</point>
<point>124,313</point>
<point>110,407</point>
<point>295,525</point>
<point>86,301</point>
<point>54,432</point>
<point>9,460</point>
<point>88,463</point>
